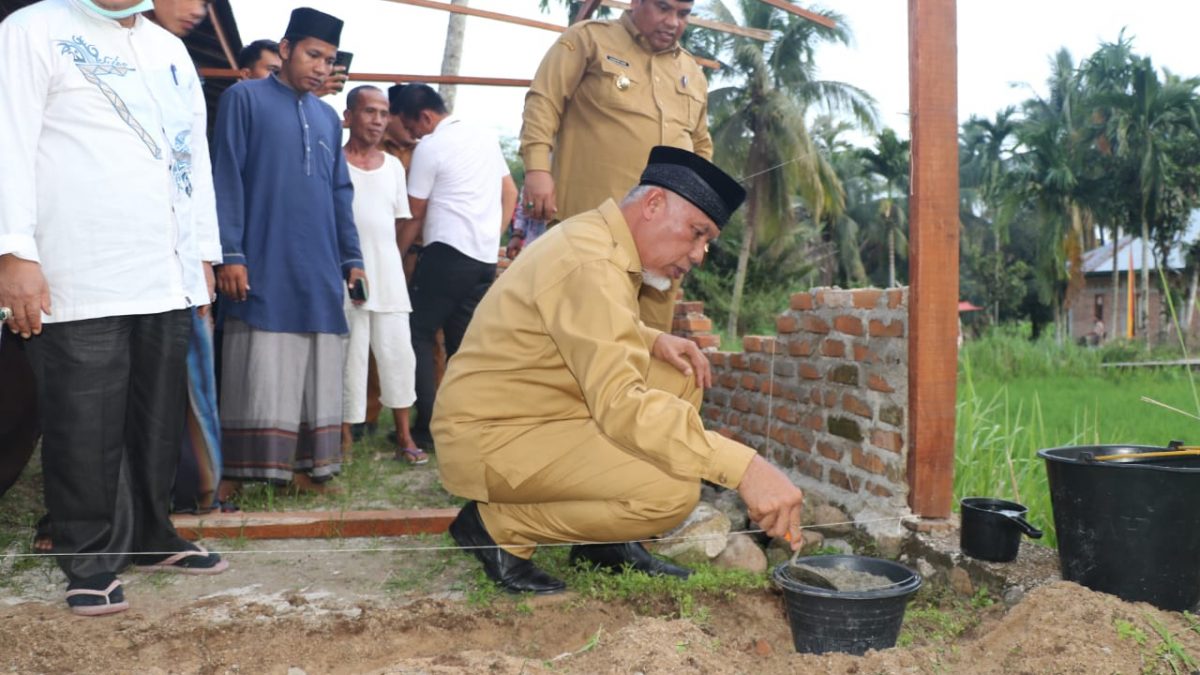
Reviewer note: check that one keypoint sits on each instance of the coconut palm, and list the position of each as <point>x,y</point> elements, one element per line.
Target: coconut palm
<point>889,160</point>
<point>759,129</point>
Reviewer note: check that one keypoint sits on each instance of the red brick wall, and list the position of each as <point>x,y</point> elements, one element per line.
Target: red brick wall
<point>826,397</point>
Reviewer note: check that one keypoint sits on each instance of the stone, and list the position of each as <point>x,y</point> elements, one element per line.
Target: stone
<point>762,647</point>
<point>829,519</point>
<point>839,545</point>
<point>889,546</point>
<point>730,503</point>
<point>741,553</point>
<point>813,540</point>
<point>1013,596</point>
<point>776,556</point>
<point>700,538</point>
<point>960,581</point>
<point>926,569</point>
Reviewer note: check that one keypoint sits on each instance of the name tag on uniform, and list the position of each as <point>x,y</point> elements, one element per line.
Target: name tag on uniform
<point>619,62</point>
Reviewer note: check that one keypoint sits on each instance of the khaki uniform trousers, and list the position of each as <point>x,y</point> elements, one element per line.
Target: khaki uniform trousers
<point>595,493</point>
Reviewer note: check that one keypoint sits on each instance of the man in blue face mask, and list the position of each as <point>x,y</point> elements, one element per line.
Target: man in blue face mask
<point>101,267</point>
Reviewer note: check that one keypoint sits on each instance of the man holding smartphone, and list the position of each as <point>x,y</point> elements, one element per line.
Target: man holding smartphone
<point>284,201</point>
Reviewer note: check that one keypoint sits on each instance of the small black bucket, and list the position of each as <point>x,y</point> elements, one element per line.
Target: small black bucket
<point>824,620</point>
<point>1128,526</point>
<point>991,528</point>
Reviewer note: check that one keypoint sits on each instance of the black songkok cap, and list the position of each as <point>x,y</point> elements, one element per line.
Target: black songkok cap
<point>307,22</point>
<point>695,179</point>
<point>394,98</point>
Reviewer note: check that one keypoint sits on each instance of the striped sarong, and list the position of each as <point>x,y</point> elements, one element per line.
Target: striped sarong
<point>281,403</point>
<point>200,464</point>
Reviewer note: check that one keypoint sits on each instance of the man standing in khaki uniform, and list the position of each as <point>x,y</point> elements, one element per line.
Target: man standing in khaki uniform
<point>564,418</point>
<point>605,93</point>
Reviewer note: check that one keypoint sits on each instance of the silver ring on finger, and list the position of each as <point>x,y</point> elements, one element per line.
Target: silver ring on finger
<point>6,313</point>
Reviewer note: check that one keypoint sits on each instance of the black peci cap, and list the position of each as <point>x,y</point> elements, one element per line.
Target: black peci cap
<point>307,22</point>
<point>695,179</point>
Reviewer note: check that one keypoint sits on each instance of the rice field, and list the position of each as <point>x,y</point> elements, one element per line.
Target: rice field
<point>1017,397</point>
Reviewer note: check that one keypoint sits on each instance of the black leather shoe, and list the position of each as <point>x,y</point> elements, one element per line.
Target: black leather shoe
<point>513,574</point>
<point>615,557</point>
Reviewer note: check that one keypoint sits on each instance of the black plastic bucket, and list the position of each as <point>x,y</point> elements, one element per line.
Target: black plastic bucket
<point>991,528</point>
<point>824,620</point>
<point>1129,527</point>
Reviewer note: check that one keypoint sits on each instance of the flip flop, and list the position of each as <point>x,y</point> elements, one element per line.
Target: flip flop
<point>97,602</point>
<point>414,456</point>
<point>191,561</point>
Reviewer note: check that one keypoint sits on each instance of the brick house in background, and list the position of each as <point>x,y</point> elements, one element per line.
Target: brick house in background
<point>1094,302</point>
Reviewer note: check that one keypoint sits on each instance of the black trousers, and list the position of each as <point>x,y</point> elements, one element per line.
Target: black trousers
<point>111,393</point>
<point>19,429</point>
<point>447,287</point>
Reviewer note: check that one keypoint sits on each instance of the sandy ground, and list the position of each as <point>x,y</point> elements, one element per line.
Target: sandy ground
<point>325,606</point>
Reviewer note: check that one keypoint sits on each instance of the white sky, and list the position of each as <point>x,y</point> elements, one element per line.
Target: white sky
<point>999,44</point>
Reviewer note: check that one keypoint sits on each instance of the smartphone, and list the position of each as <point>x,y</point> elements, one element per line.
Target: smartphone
<point>359,290</point>
<point>343,59</point>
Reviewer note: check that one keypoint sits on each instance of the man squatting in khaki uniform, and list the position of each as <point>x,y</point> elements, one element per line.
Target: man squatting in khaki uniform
<point>604,94</point>
<point>564,418</point>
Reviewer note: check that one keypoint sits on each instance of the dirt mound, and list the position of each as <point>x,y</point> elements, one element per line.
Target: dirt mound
<point>1061,628</point>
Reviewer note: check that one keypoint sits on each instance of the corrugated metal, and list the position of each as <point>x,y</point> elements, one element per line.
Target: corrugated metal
<point>1099,260</point>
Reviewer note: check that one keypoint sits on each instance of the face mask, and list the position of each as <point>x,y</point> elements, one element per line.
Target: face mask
<point>118,14</point>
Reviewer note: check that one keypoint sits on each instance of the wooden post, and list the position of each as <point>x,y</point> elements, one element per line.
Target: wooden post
<point>933,250</point>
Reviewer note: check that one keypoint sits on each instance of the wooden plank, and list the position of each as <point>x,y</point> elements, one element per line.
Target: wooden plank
<point>228,73</point>
<point>216,24</point>
<point>803,13</point>
<point>733,29</point>
<point>933,250</point>
<point>481,13</point>
<point>314,524</point>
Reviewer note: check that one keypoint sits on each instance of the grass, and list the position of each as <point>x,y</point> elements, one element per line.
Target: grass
<point>1017,397</point>
<point>939,616</point>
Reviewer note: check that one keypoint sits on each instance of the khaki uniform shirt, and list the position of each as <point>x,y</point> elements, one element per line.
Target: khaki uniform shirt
<point>555,354</point>
<point>600,100</point>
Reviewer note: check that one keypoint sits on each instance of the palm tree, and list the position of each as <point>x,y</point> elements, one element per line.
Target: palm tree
<point>1144,123</point>
<point>759,122</point>
<point>890,161</point>
<point>988,158</point>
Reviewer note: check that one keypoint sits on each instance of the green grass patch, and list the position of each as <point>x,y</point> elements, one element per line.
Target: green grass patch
<point>1016,397</point>
<point>937,616</point>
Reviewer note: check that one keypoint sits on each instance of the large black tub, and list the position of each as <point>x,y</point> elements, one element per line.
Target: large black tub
<point>1128,526</point>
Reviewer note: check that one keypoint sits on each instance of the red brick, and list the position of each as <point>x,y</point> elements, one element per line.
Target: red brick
<point>819,298</point>
<point>895,296</point>
<point>693,307</point>
<point>835,348</point>
<point>867,461</point>
<point>877,383</point>
<point>712,413</point>
<point>707,341</point>
<point>854,404</point>
<point>760,365</point>
<point>751,343</point>
<point>888,440</point>
<point>850,325</point>
<point>864,354</point>
<point>738,360</point>
<point>726,432</point>
<point>879,490</point>
<point>691,324</point>
<point>814,324</point>
<point>727,381</point>
<point>786,323</point>
<point>754,425</point>
<point>827,451</point>
<point>809,372</point>
<point>808,467</point>
<point>815,397</point>
<point>718,359</point>
<point>749,382</point>
<point>814,422</point>
<point>865,298</point>
<point>801,301</point>
<point>798,440</point>
<point>786,413</point>
<point>800,348</point>
<point>733,419</point>
<point>771,345</point>
<point>779,433</point>
<point>840,479</point>
<point>740,403</point>
<point>890,329</point>
<point>830,400</point>
<point>771,387</point>
<point>760,407</point>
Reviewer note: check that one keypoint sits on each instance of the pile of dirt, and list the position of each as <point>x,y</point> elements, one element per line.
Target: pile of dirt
<point>1060,628</point>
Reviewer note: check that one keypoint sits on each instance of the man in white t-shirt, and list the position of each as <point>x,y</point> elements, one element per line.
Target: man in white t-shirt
<point>380,325</point>
<point>462,197</point>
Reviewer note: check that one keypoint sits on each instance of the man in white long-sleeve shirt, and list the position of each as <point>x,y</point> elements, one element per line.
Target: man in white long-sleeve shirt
<point>107,236</point>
